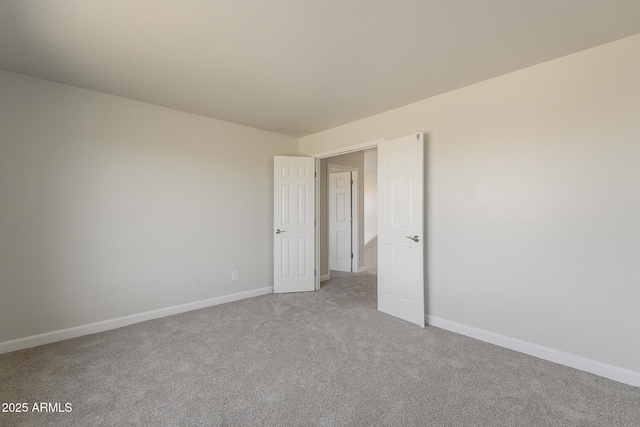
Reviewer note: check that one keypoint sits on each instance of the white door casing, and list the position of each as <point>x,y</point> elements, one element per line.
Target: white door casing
<point>400,228</point>
<point>340,221</point>
<point>293,224</point>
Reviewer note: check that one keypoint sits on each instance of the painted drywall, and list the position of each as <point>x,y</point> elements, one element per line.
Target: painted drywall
<point>370,194</point>
<point>371,209</point>
<point>111,207</point>
<point>355,160</point>
<point>533,202</point>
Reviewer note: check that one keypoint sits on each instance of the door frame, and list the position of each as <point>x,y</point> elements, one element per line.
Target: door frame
<point>354,212</point>
<point>318,157</point>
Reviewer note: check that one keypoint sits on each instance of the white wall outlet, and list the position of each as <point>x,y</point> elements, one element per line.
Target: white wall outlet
<point>234,275</point>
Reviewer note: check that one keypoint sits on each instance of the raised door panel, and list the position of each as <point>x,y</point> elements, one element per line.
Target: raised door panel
<point>294,234</point>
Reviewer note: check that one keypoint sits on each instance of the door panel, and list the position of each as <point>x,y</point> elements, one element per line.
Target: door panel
<point>400,228</point>
<point>294,230</point>
<point>340,221</point>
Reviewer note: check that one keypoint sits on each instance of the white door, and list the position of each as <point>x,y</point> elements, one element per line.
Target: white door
<point>293,224</point>
<point>340,219</point>
<point>400,228</point>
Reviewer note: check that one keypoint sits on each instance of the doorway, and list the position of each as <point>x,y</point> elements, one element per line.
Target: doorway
<point>343,217</point>
<point>361,166</point>
<point>401,224</point>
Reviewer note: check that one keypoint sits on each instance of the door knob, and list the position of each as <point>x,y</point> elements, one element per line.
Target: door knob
<point>278,231</point>
<point>414,238</point>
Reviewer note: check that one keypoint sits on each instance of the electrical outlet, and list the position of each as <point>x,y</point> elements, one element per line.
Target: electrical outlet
<point>234,275</point>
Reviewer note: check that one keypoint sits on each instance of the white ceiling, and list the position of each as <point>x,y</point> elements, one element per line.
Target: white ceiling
<point>295,66</point>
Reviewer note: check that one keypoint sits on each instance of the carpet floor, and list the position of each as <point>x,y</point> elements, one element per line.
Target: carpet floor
<point>325,358</point>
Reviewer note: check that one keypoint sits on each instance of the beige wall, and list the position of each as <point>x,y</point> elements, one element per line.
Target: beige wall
<point>355,160</point>
<point>533,202</point>
<point>370,194</point>
<point>111,207</point>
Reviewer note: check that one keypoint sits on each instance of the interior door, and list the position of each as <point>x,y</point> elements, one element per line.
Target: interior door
<point>340,220</point>
<point>293,224</point>
<point>400,228</point>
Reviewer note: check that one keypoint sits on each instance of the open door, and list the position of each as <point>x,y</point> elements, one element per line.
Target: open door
<point>400,228</point>
<point>293,224</point>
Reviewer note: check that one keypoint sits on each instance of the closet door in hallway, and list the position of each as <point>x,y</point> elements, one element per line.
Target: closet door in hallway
<point>340,221</point>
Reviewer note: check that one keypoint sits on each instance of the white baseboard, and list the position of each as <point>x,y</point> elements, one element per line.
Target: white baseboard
<point>105,325</point>
<point>325,278</point>
<point>362,269</point>
<point>602,369</point>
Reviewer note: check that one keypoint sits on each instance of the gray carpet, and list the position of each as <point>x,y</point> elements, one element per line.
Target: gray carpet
<point>326,358</point>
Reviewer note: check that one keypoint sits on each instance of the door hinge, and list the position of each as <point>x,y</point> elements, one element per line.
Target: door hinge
<point>314,272</point>
<point>315,174</point>
<point>352,183</point>
<point>351,256</point>
<point>314,223</point>
<point>351,219</point>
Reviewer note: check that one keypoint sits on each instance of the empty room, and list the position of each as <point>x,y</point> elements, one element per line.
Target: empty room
<point>332,213</point>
